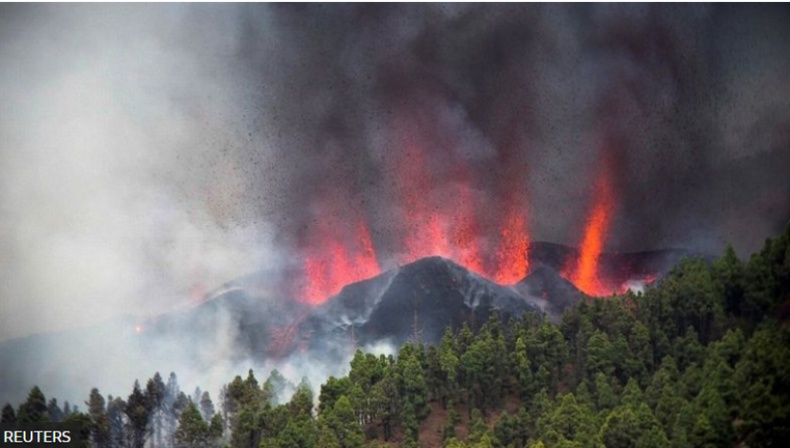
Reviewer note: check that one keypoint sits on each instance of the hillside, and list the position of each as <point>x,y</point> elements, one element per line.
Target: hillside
<point>702,358</point>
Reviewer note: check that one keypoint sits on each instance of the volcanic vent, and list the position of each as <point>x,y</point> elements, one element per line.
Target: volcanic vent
<point>342,245</point>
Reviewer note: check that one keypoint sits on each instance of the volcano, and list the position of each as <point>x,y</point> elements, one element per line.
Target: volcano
<point>248,319</point>
<point>416,301</point>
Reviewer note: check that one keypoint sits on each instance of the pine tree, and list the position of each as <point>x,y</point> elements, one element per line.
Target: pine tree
<point>605,398</point>
<point>273,387</point>
<point>54,411</point>
<point>343,424</point>
<point>192,432</point>
<point>115,416</point>
<point>567,421</point>
<point>100,423</point>
<point>34,410</point>
<point>331,391</point>
<point>526,384</point>
<point>762,387</point>
<point>9,416</point>
<point>206,406</point>
<point>138,412</point>
<point>83,423</point>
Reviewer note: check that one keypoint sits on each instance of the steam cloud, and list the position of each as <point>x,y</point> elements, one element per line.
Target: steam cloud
<point>149,153</point>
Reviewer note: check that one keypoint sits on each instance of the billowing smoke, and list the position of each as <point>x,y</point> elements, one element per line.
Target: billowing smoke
<point>149,153</point>
<point>432,125</point>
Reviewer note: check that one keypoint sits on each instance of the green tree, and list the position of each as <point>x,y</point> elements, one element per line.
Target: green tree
<point>83,423</point>
<point>567,421</point>
<point>327,437</point>
<point>331,391</point>
<point>54,411</point>
<point>729,276</point>
<point>273,387</point>
<point>768,277</point>
<point>386,400</point>
<point>192,432</point>
<point>414,388</point>
<point>100,422</point>
<point>302,400</point>
<point>216,428</point>
<point>632,394</point>
<point>206,406</point>
<point>632,426</point>
<point>343,424</point>
<point>33,410</point>
<point>667,375</point>
<point>703,435</point>
<point>508,431</point>
<point>449,364</point>
<point>526,383</point>
<point>155,394</point>
<point>115,415</point>
<point>762,385</point>
<point>605,398</point>
<point>137,411</point>
<point>9,416</point>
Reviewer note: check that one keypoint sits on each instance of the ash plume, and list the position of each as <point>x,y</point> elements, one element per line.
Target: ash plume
<point>516,101</point>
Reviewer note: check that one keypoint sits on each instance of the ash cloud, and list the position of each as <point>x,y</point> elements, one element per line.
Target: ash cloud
<point>688,97</point>
<point>149,153</point>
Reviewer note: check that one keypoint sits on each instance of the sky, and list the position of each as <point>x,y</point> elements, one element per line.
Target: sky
<point>150,153</point>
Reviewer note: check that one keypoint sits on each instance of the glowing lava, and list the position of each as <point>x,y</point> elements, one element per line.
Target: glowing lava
<point>424,230</point>
<point>437,212</point>
<point>340,253</point>
<point>511,255</point>
<point>585,275</point>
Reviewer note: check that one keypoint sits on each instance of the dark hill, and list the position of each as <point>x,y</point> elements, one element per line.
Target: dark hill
<point>418,300</point>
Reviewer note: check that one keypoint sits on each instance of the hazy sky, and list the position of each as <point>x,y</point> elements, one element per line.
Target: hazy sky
<point>149,153</point>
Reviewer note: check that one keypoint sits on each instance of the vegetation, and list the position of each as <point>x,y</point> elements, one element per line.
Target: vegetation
<point>702,359</point>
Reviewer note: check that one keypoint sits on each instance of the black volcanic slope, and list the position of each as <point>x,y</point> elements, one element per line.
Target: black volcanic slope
<point>545,289</point>
<point>418,300</point>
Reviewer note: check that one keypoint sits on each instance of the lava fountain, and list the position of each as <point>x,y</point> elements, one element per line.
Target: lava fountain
<point>586,275</point>
<point>511,255</point>
<point>340,251</point>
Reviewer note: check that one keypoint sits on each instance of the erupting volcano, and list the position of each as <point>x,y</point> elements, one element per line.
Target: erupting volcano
<point>340,249</point>
<point>433,193</point>
<point>438,212</point>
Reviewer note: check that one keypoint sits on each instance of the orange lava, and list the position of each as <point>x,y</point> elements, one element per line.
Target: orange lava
<point>464,228</point>
<point>438,213</point>
<point>511,264</point>
<point>424,224</point>
<point>585,274</point>
<point>340,252</point>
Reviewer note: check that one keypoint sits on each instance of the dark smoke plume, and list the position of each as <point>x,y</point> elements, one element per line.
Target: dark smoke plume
<point>525,99</point>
